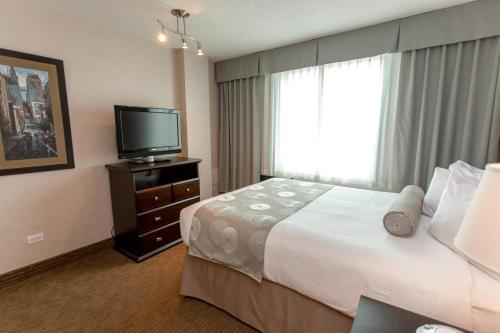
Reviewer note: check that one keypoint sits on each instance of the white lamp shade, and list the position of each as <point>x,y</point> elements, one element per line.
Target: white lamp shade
<point>479,236</point>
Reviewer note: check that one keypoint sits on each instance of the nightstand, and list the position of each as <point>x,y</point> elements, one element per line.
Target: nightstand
<point>266,177</point>
<point>377,317</point>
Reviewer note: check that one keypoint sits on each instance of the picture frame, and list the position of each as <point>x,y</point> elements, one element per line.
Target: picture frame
<point>35,130</point>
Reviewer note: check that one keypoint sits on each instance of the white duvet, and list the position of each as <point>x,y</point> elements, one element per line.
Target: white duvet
<point>336,249</point>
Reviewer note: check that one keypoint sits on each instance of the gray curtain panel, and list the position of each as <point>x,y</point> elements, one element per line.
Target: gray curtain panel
<point>448,109</point>
<point>470,21</point>
<point>240,115</point>
<point>237,68</point>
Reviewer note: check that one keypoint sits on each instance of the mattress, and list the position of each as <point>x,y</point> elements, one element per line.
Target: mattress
<point>336,249</point>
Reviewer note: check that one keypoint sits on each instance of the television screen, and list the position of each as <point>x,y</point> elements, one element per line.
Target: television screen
<point>147,131</point>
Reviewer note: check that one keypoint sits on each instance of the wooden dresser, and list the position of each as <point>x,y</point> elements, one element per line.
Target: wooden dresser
<point>147,200</point>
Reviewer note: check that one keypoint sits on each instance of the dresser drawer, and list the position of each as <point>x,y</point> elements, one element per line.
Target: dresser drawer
<point>153,198</point>
<point>161,217</point>
<point>154,240</point>
<point>186,190</point>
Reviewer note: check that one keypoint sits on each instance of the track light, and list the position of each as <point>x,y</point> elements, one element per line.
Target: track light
<point>180,15</point>
<point>162,36</point>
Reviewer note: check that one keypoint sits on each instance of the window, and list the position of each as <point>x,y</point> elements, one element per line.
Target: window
<point>329,120</point>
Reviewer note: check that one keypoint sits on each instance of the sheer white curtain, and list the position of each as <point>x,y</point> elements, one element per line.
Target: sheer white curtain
<point>329,121</point>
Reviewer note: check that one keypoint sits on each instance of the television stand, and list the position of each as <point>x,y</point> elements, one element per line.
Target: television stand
<point>149,160</point>
<point>147,200</point>
<point>163,160</point>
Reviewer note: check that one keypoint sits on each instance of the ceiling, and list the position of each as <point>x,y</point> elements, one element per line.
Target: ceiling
<point>230,28</point>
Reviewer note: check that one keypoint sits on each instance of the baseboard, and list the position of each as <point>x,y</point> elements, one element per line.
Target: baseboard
<point>47,264</point>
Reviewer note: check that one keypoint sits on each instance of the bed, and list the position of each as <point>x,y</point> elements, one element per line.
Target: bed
<point>321,259</point>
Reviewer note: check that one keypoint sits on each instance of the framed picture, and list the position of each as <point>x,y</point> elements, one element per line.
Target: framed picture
<point>34,119</point>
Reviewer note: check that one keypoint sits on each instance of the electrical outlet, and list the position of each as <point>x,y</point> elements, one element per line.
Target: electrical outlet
<point>35,238</point>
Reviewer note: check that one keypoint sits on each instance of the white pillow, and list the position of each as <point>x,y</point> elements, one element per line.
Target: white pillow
<point>435,191</point>
<point>457,196</point>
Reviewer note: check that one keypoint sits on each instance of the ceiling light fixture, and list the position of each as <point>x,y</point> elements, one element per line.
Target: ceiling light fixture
<point>179,14</point>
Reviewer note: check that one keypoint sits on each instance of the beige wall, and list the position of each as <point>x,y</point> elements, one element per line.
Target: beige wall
<point>73,207</point>
<point>197,99</point>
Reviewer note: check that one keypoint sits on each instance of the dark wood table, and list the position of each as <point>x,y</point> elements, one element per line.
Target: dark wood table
<point>377,317</point>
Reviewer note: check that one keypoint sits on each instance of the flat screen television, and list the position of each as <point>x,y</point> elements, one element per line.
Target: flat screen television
<point>144,132</point>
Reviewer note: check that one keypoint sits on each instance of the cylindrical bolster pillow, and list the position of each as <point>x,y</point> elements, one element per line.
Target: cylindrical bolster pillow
<point>402,218</point>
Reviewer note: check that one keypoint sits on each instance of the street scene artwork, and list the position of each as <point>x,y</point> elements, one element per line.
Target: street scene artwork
<point>26,119</point>
<point>35,130</point>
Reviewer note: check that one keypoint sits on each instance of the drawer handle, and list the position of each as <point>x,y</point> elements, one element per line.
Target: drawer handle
<point>188,189</point>
<point>156,198</point>
<point>159,239</point>
<point>158,219</point>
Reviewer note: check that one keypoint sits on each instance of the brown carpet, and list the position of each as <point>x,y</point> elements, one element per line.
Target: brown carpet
<point>107,292</point>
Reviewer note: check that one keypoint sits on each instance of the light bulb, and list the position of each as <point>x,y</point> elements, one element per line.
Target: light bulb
<point>162,37</point>
<point>184,44</point>
<point>200,51</point>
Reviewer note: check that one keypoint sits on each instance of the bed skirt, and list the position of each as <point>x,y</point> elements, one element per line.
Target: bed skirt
<point>268,307</point>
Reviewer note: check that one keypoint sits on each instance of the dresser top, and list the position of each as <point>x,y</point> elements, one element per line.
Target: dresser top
<point>134,167</point>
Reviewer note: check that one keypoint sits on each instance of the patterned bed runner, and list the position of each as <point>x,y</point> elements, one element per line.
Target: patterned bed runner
<point>232,230</point>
